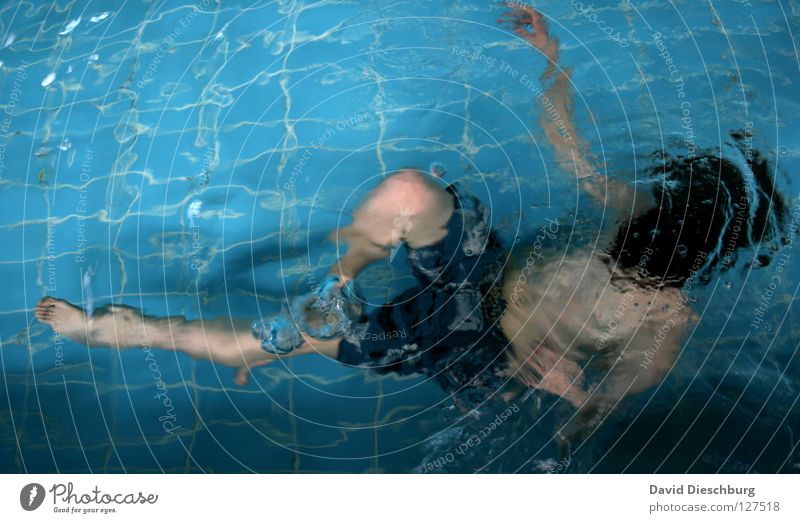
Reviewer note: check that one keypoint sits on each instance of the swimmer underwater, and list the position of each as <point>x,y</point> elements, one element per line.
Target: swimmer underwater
<point>485,321</point>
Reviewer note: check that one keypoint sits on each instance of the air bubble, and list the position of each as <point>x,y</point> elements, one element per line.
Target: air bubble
<point>682,250</point>
<point>50,78</point>
<point>437,169</point>
<point>86,285</point>
<point>194,211</point>
<point>99,18</point>
<point>70,27</point>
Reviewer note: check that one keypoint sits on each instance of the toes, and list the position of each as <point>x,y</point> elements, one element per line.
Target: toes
<point>43,313</point>
<point>243,373</point>
<point>45,308</point>
<point>242,376</point>
<point>47,300</point>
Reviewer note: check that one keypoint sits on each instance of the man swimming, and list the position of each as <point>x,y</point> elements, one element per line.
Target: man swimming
<point>582,325</point>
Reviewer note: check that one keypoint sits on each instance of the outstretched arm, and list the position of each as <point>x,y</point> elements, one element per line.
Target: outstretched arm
<point>557,116</point>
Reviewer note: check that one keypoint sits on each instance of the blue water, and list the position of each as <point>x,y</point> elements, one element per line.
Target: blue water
<point>191,159</point>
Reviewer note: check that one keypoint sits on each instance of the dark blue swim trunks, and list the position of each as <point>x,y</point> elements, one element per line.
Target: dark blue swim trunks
<point>447,327</point>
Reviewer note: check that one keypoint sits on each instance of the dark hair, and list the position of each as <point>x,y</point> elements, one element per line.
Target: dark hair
<point>709,207</point>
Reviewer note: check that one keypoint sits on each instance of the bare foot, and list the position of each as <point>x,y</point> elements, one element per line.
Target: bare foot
<point>63,317</point>
<point>242,376</point>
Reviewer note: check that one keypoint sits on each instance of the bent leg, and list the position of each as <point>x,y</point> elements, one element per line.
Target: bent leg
<point>407,206</point>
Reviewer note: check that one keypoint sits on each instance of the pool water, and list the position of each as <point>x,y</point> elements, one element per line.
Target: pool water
<point>192,159</point>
